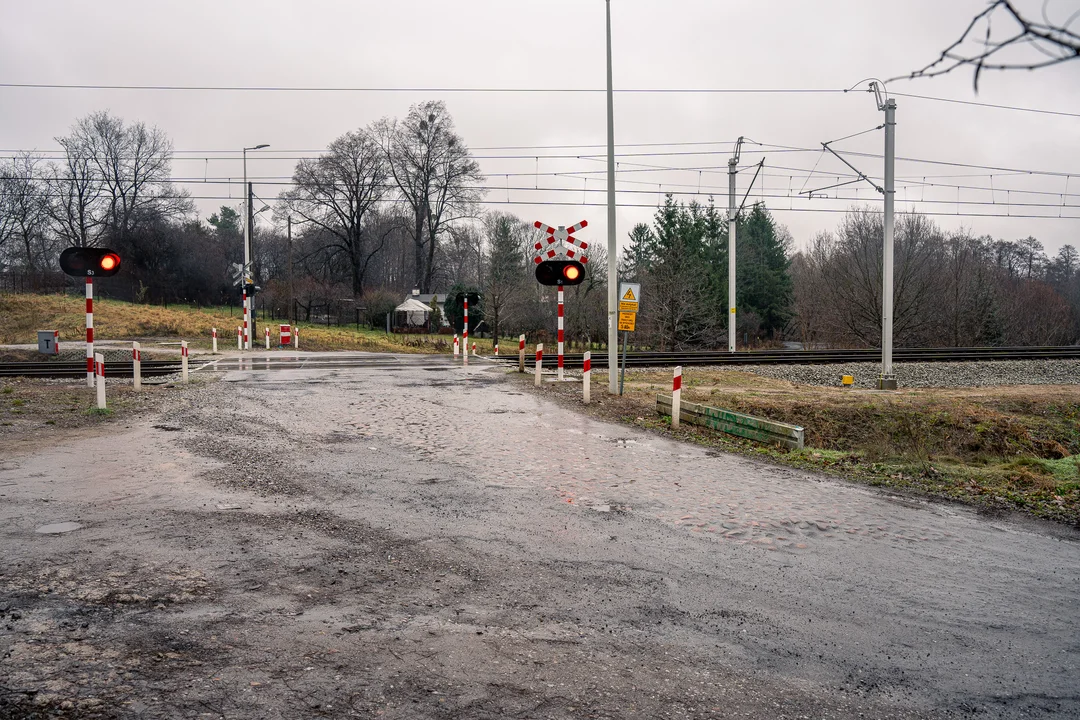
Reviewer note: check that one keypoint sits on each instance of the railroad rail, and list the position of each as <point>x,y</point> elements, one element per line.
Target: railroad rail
<point>77,369</point>
<point>818,357</point>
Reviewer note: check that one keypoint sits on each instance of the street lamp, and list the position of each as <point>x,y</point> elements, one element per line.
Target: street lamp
<point>249,302</point>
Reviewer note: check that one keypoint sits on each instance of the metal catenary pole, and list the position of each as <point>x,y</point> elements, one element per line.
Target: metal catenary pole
<point>888,379</point>
<point>250,304</point>
<point>612,250</point>
<point>465,334</point>
<point>622,370</point>
<point>732,223</point>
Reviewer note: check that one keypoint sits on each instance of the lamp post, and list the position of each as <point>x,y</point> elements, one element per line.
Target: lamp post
<point>249,302</point>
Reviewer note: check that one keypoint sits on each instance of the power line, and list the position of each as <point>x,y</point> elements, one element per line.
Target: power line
<point>624,91</point>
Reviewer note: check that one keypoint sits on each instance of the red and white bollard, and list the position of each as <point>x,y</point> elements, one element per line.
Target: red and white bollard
<point>586,376</point>
<point>455,346</point>
<point>239,337</point>
<point>474,348</point>
<point>56,342</point>
<point>676,397</point>
<point>539,362</point>
<point>136,365</point>
<point>247,340</point>
<point>213,337</point>
<point>99,376</point>
<point>183,360</point>
<point>560,333</point>
<point>267,337</point>
<point>296,338</point>
<point>496,348</point>
<point>284,335</point>
<point>465,334</point>
<point>90,372</point>
<point>521,353</point>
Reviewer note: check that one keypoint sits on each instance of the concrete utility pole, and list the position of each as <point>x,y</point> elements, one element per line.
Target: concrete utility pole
<point>250,303</point>
<point>612,250</point>
<point>732,163</point>
<point>292,289</point>
<point>887,381</point>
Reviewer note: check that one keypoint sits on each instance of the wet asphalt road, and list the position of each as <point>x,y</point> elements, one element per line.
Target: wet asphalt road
<point>410,538</point>
<point>762,567</point>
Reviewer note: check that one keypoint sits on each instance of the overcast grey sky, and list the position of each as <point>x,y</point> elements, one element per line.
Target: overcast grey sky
<point>559,44</point>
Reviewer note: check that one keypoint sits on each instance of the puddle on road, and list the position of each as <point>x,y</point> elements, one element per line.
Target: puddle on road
<point>58,528</point>
<point>514,440</point>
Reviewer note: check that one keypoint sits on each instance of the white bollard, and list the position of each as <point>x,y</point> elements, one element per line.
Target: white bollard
<point>676,397</point>
<point>296,338</point>
<point>474,349</point>
<point>213,336</point>
<point>455,346</point>
<point>586,374</point>
<point>239,337</point>
<point>183,361</point>
<point>136,365</point>
<point>267,337</point>
<point>521,353</point>
<point>99,378</point>
<point>539,362</point>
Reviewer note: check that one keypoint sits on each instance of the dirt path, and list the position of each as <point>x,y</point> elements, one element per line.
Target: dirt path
<point>404,543</point>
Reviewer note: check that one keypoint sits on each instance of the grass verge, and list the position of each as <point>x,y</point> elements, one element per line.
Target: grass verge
<point>25,314</point>
<point>997,448</point>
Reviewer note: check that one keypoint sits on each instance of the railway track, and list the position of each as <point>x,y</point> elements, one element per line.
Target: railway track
<point>77,369</point>
<point>817,357</point>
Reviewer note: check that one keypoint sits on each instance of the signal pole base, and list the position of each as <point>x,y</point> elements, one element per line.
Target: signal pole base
<point>886,382</point>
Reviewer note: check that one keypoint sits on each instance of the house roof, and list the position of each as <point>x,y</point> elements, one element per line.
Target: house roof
<point>413,305</point>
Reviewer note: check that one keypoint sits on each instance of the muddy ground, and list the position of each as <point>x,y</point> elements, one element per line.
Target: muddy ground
<point>429,542</point>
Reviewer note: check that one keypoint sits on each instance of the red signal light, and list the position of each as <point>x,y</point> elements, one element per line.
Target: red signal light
<point>571,273</point>
<point>109,262</point>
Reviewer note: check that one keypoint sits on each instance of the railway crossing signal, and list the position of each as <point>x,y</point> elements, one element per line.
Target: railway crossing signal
<point>89,262</point>
<point>560,272</point>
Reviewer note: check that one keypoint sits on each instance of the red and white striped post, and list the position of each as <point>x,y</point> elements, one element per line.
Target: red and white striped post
<point>496,348</point>
<point>99,372</point>
<point>183,360</point>
<point>560,333</point>
<point>239,337</point>
<point>586,376</point>
<point>267,337</point>
<point>90,332</point>
<point>136,365</point>
<point>213,336</point>
<point>296,338</point>
<point>521,353</point>
<point>455,346</point>
<point>474,347</point>
<point>247,338</point>
<point>56,342</point>
<point>676,397</point>
<point>539,362</point>
<point>465,334</point>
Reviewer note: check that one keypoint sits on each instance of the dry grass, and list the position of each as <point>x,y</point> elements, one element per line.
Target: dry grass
<point>24,315</point>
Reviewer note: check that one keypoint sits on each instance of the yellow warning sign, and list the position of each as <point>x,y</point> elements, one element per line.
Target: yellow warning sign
<point>627,307</point>
<point>626,322</point>
<point>629,295</point>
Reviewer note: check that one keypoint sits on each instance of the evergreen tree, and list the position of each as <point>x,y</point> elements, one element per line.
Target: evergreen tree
<point>763,278</point>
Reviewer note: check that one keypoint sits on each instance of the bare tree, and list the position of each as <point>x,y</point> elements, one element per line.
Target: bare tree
<point>134,164</point>
<point>436,175</point>
<point>336,192</point>
<point>77,201</point>
<point>1027,44</point>
<point>23,216</point>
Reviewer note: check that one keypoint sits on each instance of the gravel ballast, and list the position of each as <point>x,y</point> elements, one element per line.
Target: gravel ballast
<point>931,374</point>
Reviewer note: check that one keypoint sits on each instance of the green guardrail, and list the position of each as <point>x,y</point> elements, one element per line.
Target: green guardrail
<point>733,423</point>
